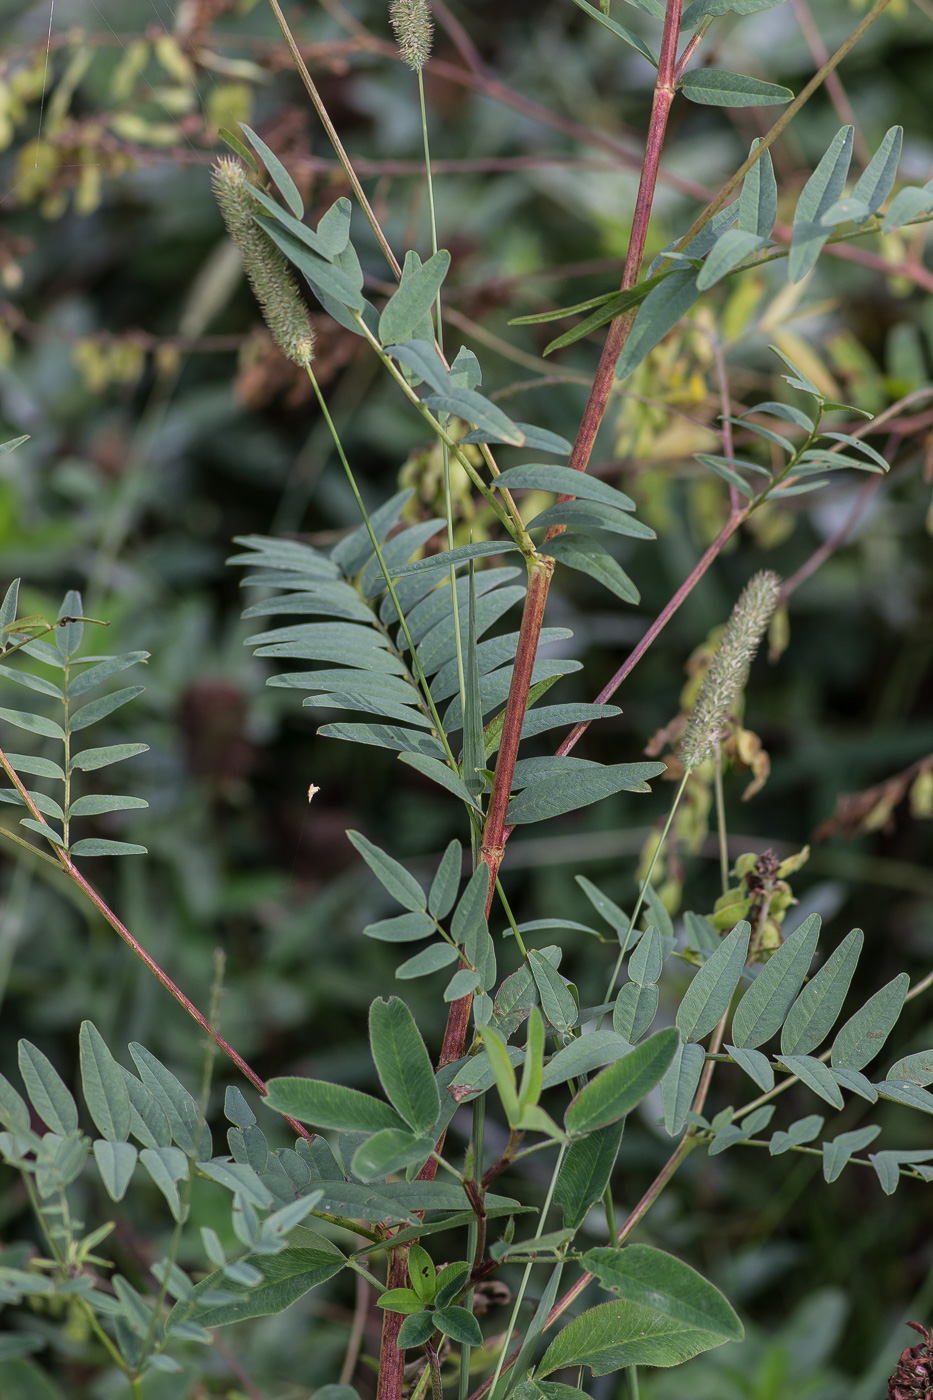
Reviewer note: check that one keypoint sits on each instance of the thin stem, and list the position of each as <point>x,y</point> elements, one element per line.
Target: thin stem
<point>644,886</point>
<point>783,121</point>
<point>721,823</point>
<point>631,1380</point>
<point>357,1331</point>
<point>520,1296</point>
<point>335,141</point>
<point>120,928</point>
<point>511,918</point>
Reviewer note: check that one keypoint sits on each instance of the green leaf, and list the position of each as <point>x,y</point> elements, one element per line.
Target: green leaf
<point>14,1114</point>
<point>148,1120</point>
<point>30,682</point>
<point>105,705</point>
<point>240,1180</point>
<point>400,1300</point>
<point>755,1064</point>
<point>680,1084</point>
<point>404,928</point>
<point>803,1131</point>
<point>181,1110</point>
<point>877,179</point>
<point>34,724</point>
<point>815,1075</point>
<point>415,1330</point>
<point>36,767</point>
<point>403,1064</point>
<point>293,225</point>
<point>11,445</point>
<point>446,882</point>
<point>330,1105</point>
<point>500,1063</point>
<point>760,1013</point>
<point>90,759</point>
<point>619,1088</point>
<point>592,515</point>
<point>440,773</point>
<point>732,248</point>
<point>539,721</point>
<point>103,671</point>
<point>96,846</point>
<point>836,1153</point>
<point>50,1097</point>
<point>617,1334</point>
<point>431,960</point>
<point>912,1095</point>
<point>856,1083</point>
<point>105,1090</point>
<point>384,736</point>
<point>634,1011</point>
<point>608,309</point>
<point>717,87</point>
<point>557,1001</point>
<point>588,556</point>
<point>334,227</point>
<point>287,1277</point>
<point>461,984</point>
<point>647,961</point>
<point>280,176</point>
<point>864,1034</point>
<point>115,1162</point>
<point>391,875</point>
<point>167,1166</point>
<point>586,1172</point>
<point>577,786</point>
<point>620,32</point>
<point>459,1325</point>
<point>407,309</point>
<point>819,193</point>
<point>709,994</point>
<point>661,311</point>
<point>721,468</point>
<point>615,917</point>
<point>656,1280</point>
<point>813,1014</point>
<point>475,408</point>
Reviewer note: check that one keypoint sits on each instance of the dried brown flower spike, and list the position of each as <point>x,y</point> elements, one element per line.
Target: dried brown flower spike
<point>913,1379</point>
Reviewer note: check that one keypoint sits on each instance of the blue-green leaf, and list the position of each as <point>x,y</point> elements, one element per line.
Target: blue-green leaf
<point>864,1034</point>
<point>105,1091</point>
<point>732,248</point>
<point>34,724</point>
<point>909,203</point>
<point>98,846</point>
<point>653,1279</point>
<point>280,176</point>
<point>819,193</point>
<point>837,1152</point>
<point>877,179</point>
<point>856,1083</point>
<point>475,408</point>
<point>888,1166</point>
<point>761,1012</point>
<point>636,1007</point>
<point>680,1084</point>
<point>330,1105</point>
<point>421,356</point>
<point>717,87</point>
<point>592,515</point>
<point>440,773</point>
<point>619,31</point>
<point>914,1069</point>
<point>758,200</point>
<point>180,1108</point>
<point>105,705</point>
<point>390,873</point>
<point>557,1001</point>
<point>815,1075</point>
<point>431,960</point>
<point>50,1097</point>
<point>167,1166</point>
<point>409,307</point>
<point>546,476</point>
<point>446,882</point>
<point>588,556</point>
<point>803,1131</point>
<point>586,1171</point>
<point>571,788</point>
<point>321,275</point>
<point>707,998</point>
<point>755,1064</point>
<point>116,1162</point>
<point>812,1015</point>
<point>700,8</point>
<point>659,313</point>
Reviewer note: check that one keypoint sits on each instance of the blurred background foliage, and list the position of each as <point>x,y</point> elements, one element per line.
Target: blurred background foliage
<point>163,422</point>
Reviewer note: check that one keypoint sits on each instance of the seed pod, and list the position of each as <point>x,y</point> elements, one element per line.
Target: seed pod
<point>269,274</point>
<point>726,677</point>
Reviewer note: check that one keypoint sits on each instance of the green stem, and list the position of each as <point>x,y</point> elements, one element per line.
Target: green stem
<point>519,1297</point>
<point>644,886</point>
<point>511,918</point>
<point>474,1244</point>
<point>631,1380</point>
<point>721,823</point>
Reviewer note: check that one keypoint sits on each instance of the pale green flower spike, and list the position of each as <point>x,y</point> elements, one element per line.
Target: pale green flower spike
<point>411,20</point>
<point>269,274</point>
<point>728,673</point>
